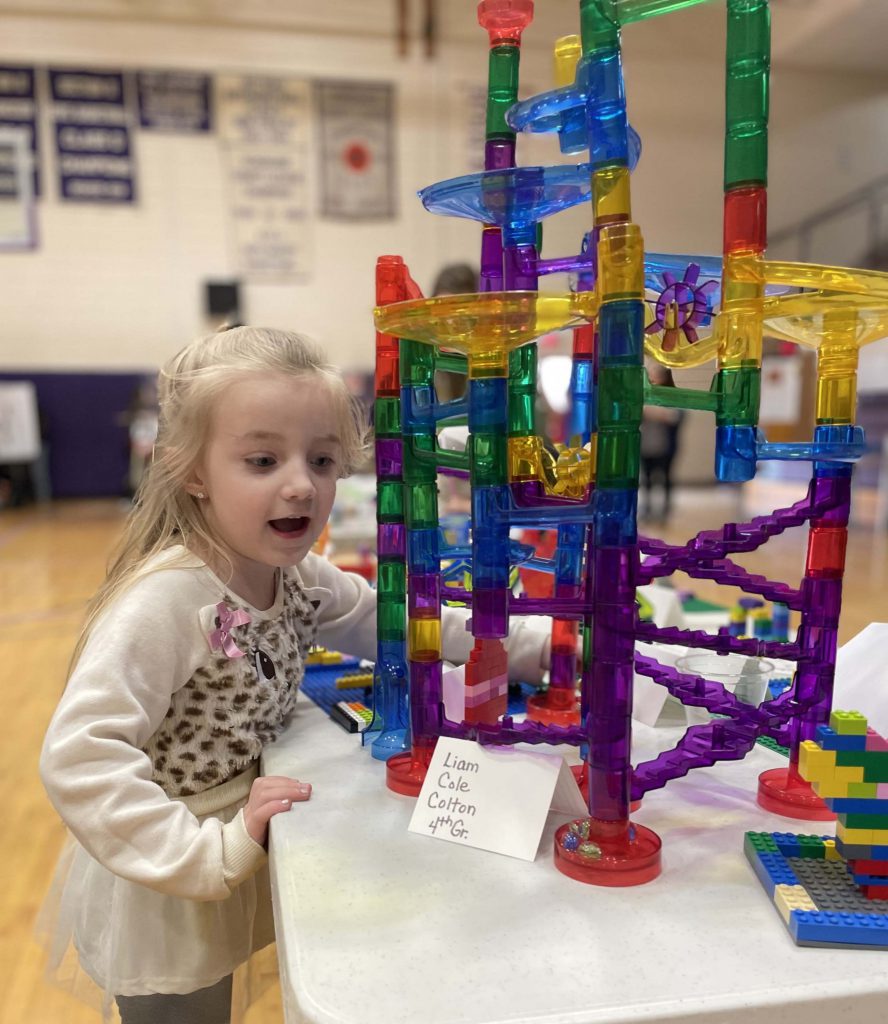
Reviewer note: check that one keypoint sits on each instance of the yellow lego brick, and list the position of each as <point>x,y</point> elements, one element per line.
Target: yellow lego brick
<point>830,851</point>
<point>830,789</point>
<point>356,679</point>
<point>815,764</point>
<point>863,790</point>
<point>857,836</point>
<point>788,898</point>
<point>848,773</point>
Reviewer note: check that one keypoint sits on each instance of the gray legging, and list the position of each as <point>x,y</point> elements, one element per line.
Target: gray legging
<point>206,1006</point>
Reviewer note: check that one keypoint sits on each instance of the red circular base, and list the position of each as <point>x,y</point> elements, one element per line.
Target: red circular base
<point>784,791</point>
<point>540,710</point>
<point>405,773</point>
<point>581,774</point>
<point>633,858</point>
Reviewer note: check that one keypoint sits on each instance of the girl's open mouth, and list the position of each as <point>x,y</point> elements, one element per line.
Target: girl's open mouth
<point>293,526</point>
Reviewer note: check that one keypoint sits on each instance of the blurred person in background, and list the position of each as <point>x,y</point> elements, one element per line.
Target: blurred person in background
<point>659,445</point>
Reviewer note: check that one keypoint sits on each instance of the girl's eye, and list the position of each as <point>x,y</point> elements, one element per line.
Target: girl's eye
<point>323,462</point>
<point>261,461</point>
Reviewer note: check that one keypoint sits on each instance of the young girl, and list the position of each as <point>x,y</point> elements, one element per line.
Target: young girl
<point>189,664</point>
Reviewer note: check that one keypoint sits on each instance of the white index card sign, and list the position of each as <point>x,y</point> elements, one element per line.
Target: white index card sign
<point>493,798</point>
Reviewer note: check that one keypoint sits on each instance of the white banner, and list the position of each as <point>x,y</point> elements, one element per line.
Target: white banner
<point>18,222</point>
<point>356,124</point>
<point>263,126</point>
<point>19,426</point>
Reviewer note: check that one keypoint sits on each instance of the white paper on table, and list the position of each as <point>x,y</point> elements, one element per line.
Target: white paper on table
<point>494,799</point>
<point>453,689</point>
<point>861,682</point>
<point>649,697</point>
<point>665,603</point>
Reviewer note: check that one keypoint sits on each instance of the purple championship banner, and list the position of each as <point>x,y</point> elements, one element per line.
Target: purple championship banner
<point>18,110</point>
<point>93,140</point>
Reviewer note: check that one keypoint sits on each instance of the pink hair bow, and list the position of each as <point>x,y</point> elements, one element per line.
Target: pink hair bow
<point>228,618</point>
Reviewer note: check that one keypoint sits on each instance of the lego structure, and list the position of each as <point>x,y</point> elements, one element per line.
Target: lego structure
<point>834,892</point>
<point>680,310</point>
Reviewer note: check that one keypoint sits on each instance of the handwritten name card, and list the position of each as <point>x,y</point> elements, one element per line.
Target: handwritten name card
<point>493,798</point>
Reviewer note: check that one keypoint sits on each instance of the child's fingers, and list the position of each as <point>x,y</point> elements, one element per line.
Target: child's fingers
<point>269,808</point>
<point>276,795</point>
<point>276,786</point>
<point>292,792</point>
<point>269,799</point>
<point>264,780</point>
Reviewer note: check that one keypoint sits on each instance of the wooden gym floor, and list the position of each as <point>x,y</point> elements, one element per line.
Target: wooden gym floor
<point>52,558</point>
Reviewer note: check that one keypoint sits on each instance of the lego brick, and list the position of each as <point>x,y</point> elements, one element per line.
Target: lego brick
<point>811,847</point>
<point>351,715</point>
<point>848,722</point>
<point>761,842</point>
<point>831,887</point>
<point>841,929</point>
<point>772,870</point>
<point>864,790</point>
<point>829,739</point>
<point>787,843</point>
<point>877,822</point>
<point>788,898</point>
<point>870,867</point>
<point>861,880</point>
<point>319,658</point>
<point>875,761</point>
<point>354,679</point>
<point>815,764</point>
<point>831,789</point>
<point>849,805</point>
<point>830,851</point>
<point>766,741</point>
<point>856,851</point>
<point>854,836</point>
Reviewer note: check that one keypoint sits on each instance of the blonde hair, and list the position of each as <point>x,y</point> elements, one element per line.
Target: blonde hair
<point>163,513</point>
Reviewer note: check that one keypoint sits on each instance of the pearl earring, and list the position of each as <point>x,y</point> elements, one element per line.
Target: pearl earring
<point>201,494</point>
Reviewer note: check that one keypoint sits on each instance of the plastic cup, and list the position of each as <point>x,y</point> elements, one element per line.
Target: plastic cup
<point>745,677</point>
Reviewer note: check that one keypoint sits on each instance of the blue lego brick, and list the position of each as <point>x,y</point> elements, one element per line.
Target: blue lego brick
<point>778,686</point>
<point>861,851</point>
<point>829,739</point>
<point>772,870</point>
<point>787,843</point>
<point>857,805</point>
<point>868,879</point>
<point>839,929</point>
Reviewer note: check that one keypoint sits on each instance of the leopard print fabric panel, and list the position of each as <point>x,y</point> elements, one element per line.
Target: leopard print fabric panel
<point>220,720</point>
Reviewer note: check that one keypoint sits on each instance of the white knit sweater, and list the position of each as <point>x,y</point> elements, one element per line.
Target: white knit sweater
<point>166,706</point>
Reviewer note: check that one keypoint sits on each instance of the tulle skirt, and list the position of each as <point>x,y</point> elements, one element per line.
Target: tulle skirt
<point>105,936</point>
